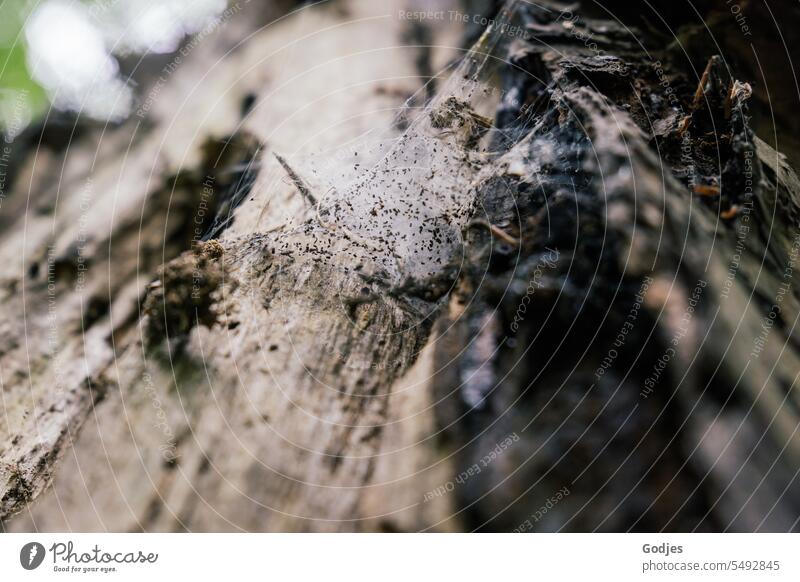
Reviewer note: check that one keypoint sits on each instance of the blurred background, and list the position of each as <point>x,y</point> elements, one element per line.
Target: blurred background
<point>83,56</point>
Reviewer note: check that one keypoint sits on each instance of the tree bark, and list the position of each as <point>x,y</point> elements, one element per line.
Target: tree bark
<point>555,292</point>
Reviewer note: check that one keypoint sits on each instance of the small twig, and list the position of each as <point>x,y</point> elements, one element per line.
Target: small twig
<point>299,183</point>
<point>698,95</point>
<point>496,231</point>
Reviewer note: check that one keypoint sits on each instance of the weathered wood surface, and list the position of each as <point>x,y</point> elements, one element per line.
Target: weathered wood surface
<point>307,397</point>
<point>349,361</point>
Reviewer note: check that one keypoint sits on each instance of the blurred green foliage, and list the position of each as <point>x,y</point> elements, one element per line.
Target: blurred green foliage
<point>22,100</point>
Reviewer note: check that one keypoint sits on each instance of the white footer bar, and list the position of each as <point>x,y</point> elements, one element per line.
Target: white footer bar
<point>400,557</point>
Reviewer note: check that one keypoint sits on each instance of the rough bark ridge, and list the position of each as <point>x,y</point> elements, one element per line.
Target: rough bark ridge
<point>604,280</point>
<point>285,342</point>
<point>642,335</point>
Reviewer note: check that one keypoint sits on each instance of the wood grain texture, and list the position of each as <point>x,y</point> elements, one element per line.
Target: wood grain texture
<point>455,300</point>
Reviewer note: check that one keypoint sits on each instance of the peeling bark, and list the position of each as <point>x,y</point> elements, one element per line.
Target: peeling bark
<point>568,281</point>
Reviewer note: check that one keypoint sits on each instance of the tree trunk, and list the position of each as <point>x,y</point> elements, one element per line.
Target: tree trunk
<point>555,291</point>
